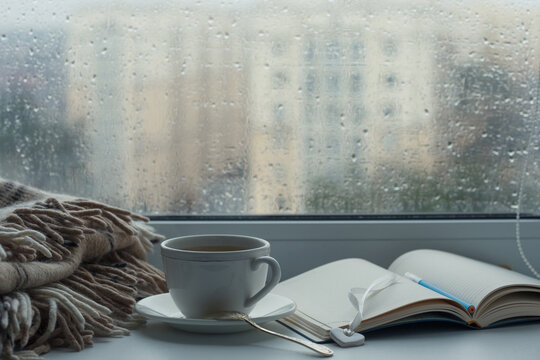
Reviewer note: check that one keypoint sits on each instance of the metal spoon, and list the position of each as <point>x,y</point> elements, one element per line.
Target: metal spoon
<point>321,349</point>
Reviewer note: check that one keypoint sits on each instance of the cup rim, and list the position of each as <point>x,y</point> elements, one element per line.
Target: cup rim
<point>260,247</point>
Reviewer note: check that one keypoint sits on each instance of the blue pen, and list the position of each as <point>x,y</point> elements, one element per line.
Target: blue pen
<point>470,308</point>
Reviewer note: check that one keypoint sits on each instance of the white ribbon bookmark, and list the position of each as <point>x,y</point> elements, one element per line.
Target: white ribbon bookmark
<point>348,337</point>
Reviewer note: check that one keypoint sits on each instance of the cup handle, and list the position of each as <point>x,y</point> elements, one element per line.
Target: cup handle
<point>276,276</point>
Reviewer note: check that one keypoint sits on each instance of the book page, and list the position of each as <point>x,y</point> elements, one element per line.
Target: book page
<point>467,279</point>
<point>322,293</point>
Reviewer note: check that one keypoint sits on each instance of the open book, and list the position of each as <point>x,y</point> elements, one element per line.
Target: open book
<point>499,295</point>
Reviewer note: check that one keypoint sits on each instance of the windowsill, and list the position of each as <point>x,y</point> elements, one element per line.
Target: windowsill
<point>299,246</point>
<point>443,342</point>
<point>302,245</point>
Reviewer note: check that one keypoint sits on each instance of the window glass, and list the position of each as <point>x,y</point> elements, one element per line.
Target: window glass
<point>274,107</point>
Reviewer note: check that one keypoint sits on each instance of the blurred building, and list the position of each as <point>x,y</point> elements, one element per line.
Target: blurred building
<point>149,90</point>
<point>209,108</point>
<point>337,94</point>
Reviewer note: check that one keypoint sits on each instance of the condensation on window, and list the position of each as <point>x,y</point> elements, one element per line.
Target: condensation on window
<point>274,107</point>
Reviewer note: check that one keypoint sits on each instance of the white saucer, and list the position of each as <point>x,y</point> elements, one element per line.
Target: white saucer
<point>162,308</point>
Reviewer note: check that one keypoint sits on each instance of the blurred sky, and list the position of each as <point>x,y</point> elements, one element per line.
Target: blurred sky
<point>25,13</point>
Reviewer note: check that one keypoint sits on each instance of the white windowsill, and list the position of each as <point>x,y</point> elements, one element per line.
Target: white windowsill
<point>302,245</point>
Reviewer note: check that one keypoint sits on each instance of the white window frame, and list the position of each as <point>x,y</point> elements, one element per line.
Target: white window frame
<point>301,245</point>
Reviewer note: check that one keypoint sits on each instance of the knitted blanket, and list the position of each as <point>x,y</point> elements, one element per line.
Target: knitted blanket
<point>70,269</point>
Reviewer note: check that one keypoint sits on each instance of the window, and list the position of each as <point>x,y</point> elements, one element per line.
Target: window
<point>356,83</point>
<point>257,108</point>
<point>357,50</point>
<point>332,50</point>
<point>389,80</point>
<point>279,81</point>
<point>389,48</point>
<point>332,83</point>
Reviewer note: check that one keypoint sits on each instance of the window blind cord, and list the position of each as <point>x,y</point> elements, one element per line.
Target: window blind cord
<point>536,119</point>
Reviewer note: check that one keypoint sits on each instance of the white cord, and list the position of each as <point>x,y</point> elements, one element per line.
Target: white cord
<point>518,232</point>
<point>522,181</point>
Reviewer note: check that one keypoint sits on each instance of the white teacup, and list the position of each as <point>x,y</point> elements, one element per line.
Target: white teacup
<point>208,274</point>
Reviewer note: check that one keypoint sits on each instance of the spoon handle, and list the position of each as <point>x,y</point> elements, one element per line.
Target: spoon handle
<point>321,349</point>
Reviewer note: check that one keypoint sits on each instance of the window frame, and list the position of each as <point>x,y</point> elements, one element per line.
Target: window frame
<point>300,245</point>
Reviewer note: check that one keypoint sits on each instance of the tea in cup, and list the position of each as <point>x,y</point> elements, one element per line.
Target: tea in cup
<point>210,274</point>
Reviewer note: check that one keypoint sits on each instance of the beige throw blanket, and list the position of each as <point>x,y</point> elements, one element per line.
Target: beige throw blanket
<point>70,269</point>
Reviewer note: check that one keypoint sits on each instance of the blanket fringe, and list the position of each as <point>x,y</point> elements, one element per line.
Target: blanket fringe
<point>96,299</point>
<point>40,232</point>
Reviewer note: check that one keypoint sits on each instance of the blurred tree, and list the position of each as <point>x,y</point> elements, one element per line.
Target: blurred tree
<point>34,147</point>
<point>482,132</point>
<point>482,125</point>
